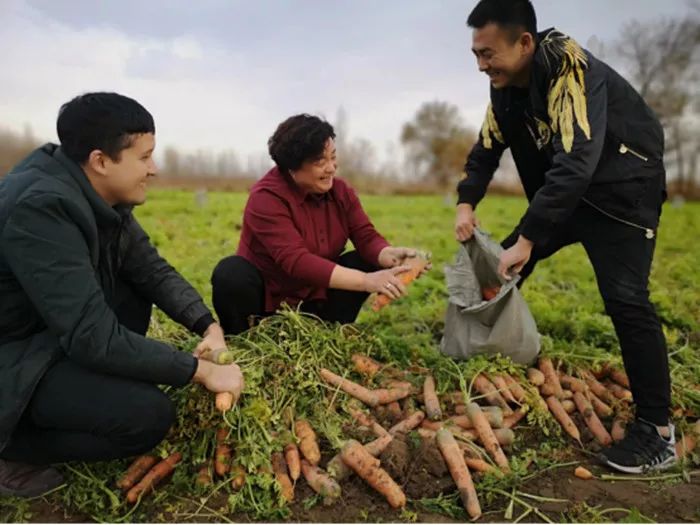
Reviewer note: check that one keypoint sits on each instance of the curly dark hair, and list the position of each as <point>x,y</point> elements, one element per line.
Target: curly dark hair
<point>299,139</point>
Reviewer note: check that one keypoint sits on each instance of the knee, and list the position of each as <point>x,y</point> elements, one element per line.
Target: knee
<point>151,417</point>
<point>624,300</point>
<point>232,274</point>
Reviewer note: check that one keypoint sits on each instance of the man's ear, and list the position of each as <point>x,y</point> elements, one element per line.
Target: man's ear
<point>97,161</point>
<point>527,42</point>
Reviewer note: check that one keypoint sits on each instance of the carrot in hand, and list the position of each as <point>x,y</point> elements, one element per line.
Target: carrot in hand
<point>417,265</point>
<point>135,472</point>
<point>224,401</point>
<point>308,444</point>
<point>154,476</point>
<point>430,399</point>
<point>367,467</point>
<point>460,473</point>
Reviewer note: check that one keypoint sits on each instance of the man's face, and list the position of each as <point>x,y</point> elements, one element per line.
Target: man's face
<point>125,179</point>
<point>502,59</point>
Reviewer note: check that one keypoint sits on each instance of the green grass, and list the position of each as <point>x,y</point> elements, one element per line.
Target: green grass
<point>562,295</point>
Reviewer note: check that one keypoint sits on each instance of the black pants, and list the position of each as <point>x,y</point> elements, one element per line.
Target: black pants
<point>79,415</point>
<point>238,292</point>
<point>621,256</point>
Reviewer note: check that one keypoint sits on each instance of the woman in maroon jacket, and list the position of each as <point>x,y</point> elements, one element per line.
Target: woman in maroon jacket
<point>296,224</point>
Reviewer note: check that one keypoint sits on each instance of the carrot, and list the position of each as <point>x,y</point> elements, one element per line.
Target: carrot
<point>154,476</point>
<point>619,376</point>
<point>618,428</point>
<point>535,377</point>
<point>572,383</point>
<point>495,419</point>
<point>238,477</point>
<point>460,472</point>
<point>479,465</point>
<point>511,421</point>
<point>596,427</point>
<point>308,445</point>
<point>504,436</point>
<point>222,459</point>
<point>430,399</point>
<point>689,440</point>
<point>204,476</point>
<point>320,482</point>
<point>619,392</point>
<point>224,401</point>
<point>389,395</point>
<point>407,424</point>
<point>367,421</point>
<point>601,408</point>
<point>550,375</point>
<point>279,468</point>
<point>432,425</point>
<point>417,265</point>
<point>339,470</point>
<point>562,417</point>
<point>503,389</point>
<point>490,393</point>
<point>485,433</point>
<point>291,456</point>
<point>516,389</point>
<point>596,386</point>
<point>491,412</point>
<point>583,473</point>
<point>367,467</point>
<point>357,391</point>
<point>395,411</point>
<point>568,405</point>
<point>365,365</point>
<point>135,472</point>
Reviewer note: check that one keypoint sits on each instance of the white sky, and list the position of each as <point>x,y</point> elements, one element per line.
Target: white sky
<point>221,74</point>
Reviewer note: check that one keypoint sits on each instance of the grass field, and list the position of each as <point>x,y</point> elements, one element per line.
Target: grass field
<point>562,295</point>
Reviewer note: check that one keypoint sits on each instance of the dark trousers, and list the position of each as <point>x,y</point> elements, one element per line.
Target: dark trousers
<point>621,256</point>
<point>238,292</point>
<point>76,414</point>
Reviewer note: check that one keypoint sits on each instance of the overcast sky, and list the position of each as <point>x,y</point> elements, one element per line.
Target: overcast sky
<point>220,74</point>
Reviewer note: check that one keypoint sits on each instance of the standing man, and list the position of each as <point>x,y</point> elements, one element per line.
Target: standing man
<point>589,152</point>
<point>78,278</point>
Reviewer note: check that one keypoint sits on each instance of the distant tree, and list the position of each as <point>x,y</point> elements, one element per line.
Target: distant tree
<point>438,143</point>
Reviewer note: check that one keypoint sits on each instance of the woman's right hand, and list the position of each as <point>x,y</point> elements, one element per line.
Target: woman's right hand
<point>386,282</point>
<point>219,378</point>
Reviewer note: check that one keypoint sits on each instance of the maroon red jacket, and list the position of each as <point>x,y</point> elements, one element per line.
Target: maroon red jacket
<point>294,237</point>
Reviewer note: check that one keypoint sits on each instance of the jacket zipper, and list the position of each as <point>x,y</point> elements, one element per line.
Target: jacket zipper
<point>625,149</point>
<point>648,232</point>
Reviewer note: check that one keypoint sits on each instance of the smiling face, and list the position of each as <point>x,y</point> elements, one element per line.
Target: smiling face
<point>123,181</point>
<point>316,175</point>
<point>504,60</point>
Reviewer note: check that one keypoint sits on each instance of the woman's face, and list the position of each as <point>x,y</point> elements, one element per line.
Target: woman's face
<point>316,175</point>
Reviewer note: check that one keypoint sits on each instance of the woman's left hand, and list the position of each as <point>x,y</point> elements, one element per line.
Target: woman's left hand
<point>392,256</point>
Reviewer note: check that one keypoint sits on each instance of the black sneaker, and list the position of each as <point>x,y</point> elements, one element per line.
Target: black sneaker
<point>642,449</point>
<point>27,481</point>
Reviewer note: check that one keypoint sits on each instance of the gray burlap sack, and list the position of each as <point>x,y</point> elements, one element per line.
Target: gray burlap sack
<point>473,325</point>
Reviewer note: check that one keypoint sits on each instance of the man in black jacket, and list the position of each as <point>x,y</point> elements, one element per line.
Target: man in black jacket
<point>589,153</point>
<point>78,278</point>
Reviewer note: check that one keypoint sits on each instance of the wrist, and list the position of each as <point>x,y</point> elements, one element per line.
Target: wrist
<point>465,206</point>
<point>202,371</point>
<point>213,328</point>
<point>527,243</point>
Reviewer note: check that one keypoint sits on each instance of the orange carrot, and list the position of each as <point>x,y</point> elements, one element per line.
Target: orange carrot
<point>367,421</point>
<point>389,395</point>
<point>154,476</point>
<point>619,392</point>
<point>407,424</point>
<point>224,401</point>
<point>504,436</point>
<point>460,472</point>
<point>516,389</point>
<point>417,265</point>
<point>601,408</point>
<point>367,467</point>
<point>394,409</point>
<point>279,468</point>
<point>485,433</point>
<point>308,445</point>
<point>222,459</point>
<point>618,428</point>
<point>365,365</point>
<point>204,476</point>
<point>568,405</point>
<point>135,472</point>
<point>596,386</point>
<point>572,383</point>
<point>511,421</point>
<point>686,445</point>
<point>479,465</point>
<point>619,376</point>
<point>503,389</point>
<point>238,475</point>
<point>490,393</point>
<point>357,391</point>
<point>430,399</point>
<point>550,375</point>
<point>291,456</point>
<point>596,427</point>
<point>339,470</point>
<point>320,482</point>
<point>583,473</point>
<point>562,417</point>
<point>535,377</point>
<point>495,419</point>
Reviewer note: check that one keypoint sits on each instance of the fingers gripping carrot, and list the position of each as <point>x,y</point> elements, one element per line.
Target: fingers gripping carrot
<point>417,265</point>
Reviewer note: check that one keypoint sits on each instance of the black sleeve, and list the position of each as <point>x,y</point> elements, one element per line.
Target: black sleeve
<point>159,282</point>
<point>482,161</point>
<point>49,256</point>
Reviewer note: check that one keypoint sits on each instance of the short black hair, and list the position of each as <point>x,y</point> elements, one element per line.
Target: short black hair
<point>103,121</point>
<point>511,15</point>
<point>298,139</point>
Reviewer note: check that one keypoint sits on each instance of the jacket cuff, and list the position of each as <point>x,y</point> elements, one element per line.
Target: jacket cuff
<point>467,195</point>
<point>200,326</point>
<point>183,368</point>
<point>536,229</point>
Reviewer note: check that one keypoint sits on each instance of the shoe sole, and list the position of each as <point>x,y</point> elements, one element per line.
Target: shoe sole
<point>664,465</point>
